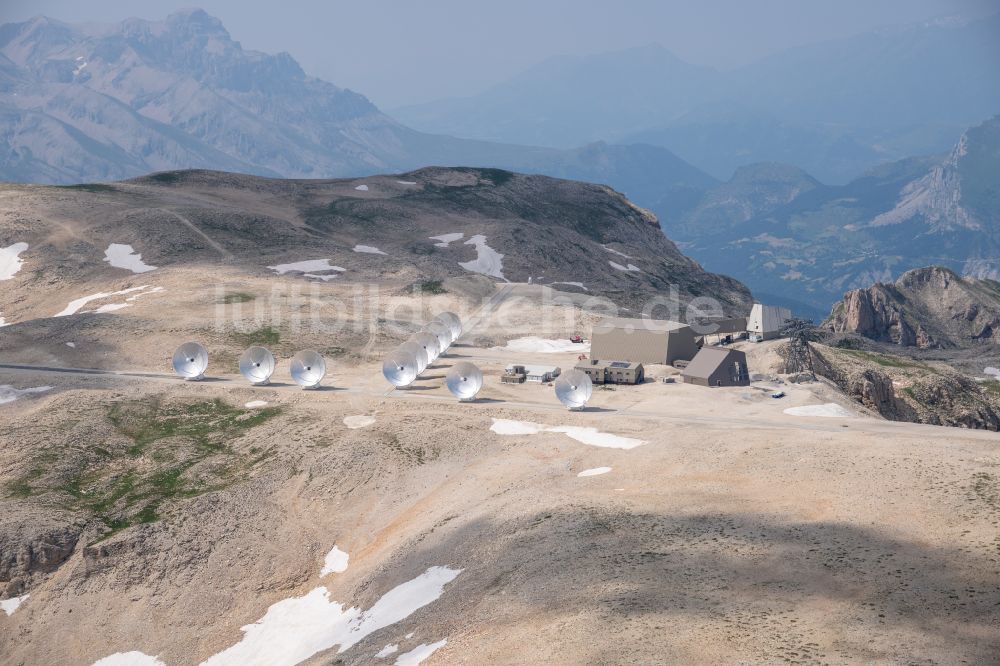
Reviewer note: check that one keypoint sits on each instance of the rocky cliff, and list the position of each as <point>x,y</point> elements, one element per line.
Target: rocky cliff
<point>925,307</point>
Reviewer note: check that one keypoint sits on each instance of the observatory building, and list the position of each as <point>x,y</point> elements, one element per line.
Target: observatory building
<point>643,341</point>
<point>765,321</point>
<point>718,366</point>
<point>612,372</point>
<point>518,374</point>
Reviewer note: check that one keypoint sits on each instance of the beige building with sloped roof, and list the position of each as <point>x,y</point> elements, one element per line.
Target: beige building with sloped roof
<point>642,341</point>
<point>718,366</point>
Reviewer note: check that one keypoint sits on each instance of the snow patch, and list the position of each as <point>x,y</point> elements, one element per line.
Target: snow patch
<point>312,268</point>
<point>830,410</point>
<point>256,404</point>
<point>71,345</point>
<point>595,471</point>
<point>133,658</point>
<point>10,261</point>
<point>992,372</point>
<point>8,606</point>
<point>419,653</point>
<point>111,307</point>
<point>294,629</point>
<point>10,394</point>
<point>406,182</point>
<point>447,239</point>
<point>535,345</point>
<point>75,306</point>
<point>361,188</point>
<point>123,256</point>
<point>584,435</point>
<point>614,251</point>
<point>392,648</point>
<point>3,322</point>
<point>358,421</point>
<point>573,284</point>
<point>367,249</point>
<point>487,262</point>
<point>335,562</point>
<point>631,268</point>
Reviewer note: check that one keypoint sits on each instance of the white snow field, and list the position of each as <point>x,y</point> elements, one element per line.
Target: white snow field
<point>133,658</point>
<point>487,262</point>
<point>362,188</point>
<point>310,268</point>
<point>367,249</point>
<point>444,240</point>
<point>335,562</point>
<point>419,653</point>
<point>584,435</point>
<point>631,268</point>
<point>10,261</point>
<point>829,410</point>
<point>123,256</point>
<point>8,606</point>
<point>596,471</point>
<point>76,305</point>
<point>9,394</point>
<point>294,629</point>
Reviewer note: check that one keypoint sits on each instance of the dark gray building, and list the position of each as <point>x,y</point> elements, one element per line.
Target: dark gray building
<point>643,341</point>
<point>718,366</point>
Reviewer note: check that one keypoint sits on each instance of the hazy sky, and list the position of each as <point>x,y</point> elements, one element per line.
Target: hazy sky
<point>407,52</point>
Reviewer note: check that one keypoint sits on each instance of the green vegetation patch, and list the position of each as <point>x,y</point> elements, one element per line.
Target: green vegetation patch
<point>176,450</point>
<point>434,287</point>
<point>265,335</point>
<point>237,297</point>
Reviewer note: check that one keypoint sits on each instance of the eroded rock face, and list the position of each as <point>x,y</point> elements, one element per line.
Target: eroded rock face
<point>926,307</point>
<point>32,546</point>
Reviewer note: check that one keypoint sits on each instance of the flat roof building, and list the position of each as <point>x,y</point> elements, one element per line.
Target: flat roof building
<point>533,373</point>
<point>613,372</point>
<point>718,366</point>
<point>642,341</point>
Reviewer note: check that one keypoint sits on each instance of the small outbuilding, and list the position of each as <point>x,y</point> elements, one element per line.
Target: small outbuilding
<point>531,373</point>
<point>613,372</point>
<point>766,321</point>
<point>718,366</point>
<point>642,341</point>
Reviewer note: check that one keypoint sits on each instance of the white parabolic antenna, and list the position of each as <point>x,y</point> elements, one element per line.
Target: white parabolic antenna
<point>451,320</point>
<point>308,369</point>
<point>430,343</point>
<point>257,365</point>
<point>399,368</point>
<point>464,380</point>
<point>573,388</point>
<point>190,361</point>
<point>443,333</point>
<point>419,354</point>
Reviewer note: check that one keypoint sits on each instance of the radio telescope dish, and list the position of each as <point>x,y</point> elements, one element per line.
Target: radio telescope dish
<point>443,333</point>
<point>308,369</point>
<point>190,361</point>
<point>419,354</point>
<point>430,343</point>
<point>257,365</point>
<point>400,368</point>
<point>451,320</point>
<point>573,388</point>
<point>464,381</point>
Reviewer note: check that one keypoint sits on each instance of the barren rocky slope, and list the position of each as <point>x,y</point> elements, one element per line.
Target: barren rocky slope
<point>925,307</point>
<point>409,229</point>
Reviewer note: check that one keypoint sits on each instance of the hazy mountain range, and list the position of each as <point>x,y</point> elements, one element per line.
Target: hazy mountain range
<point>793,239</point>
<point>835,108</point>
<point>99,103</point>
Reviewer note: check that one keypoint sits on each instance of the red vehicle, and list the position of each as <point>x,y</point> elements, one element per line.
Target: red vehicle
<point>576,338</point>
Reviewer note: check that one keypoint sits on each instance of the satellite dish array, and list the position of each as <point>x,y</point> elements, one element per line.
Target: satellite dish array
<point>401,366</point>
<point>257,364</point>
